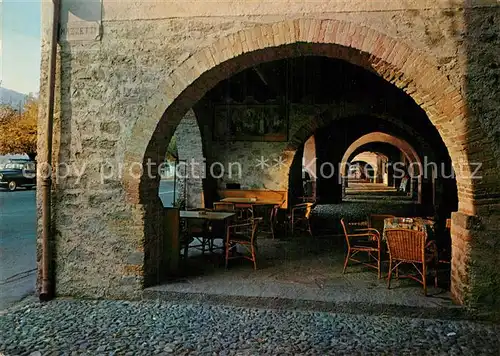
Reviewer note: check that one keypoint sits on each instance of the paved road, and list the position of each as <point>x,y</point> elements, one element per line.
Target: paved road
<point>167,192</point>
<point>77,327</point>
<point>18,241</point>
<point>17,245</point>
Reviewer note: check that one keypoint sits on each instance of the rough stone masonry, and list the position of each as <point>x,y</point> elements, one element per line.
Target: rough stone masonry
<point>122,93</point>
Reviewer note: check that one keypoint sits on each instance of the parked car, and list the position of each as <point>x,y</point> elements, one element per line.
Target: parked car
<point>18,173</point>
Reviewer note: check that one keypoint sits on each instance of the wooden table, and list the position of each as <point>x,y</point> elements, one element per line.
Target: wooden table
<point>252,204</point>
<point>211,218</point>
<point>249,202</point>
<point>414,223</point>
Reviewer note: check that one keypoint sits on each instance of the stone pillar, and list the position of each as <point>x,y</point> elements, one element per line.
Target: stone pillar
<point>329,181</point>
<point>390,177</point>
<point>295,188</point>
<point>345,184</point>
<point>190,150</point>
<point>414,188</point>
<point>379,173</point>
<point>427,191</point>
<point>475,280</point>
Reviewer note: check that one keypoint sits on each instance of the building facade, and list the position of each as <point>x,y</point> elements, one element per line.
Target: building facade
<point>128,72</point>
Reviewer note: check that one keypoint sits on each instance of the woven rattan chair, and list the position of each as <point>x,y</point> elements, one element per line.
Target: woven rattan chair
<point>244,235</point>
<point>408,246</point>
<point>364,240</point>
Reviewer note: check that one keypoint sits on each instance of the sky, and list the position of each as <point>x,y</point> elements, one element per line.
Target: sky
<point>20,45</point>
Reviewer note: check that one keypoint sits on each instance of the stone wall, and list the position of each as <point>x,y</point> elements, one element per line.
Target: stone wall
<point>265,165</point>
<point>120,98</point>
<point>260,165</point>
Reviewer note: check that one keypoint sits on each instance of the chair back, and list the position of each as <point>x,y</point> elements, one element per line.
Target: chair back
<point>346,232</point>
<point>406,244</point>
<point>248,229</point>
<point>224,206</point>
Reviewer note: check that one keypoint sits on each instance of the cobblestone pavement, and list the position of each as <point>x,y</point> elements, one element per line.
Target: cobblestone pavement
<point>68,327</point>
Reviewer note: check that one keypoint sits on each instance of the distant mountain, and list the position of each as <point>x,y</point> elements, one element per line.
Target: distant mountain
<point>12,98</point>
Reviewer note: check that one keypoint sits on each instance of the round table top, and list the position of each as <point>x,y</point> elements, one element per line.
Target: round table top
<point>413,223</point>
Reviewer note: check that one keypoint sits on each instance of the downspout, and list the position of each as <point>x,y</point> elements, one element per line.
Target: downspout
<point>47,288</point>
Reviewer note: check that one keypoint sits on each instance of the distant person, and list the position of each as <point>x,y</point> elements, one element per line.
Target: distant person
<point>306,186</point>
<point>404,183</point>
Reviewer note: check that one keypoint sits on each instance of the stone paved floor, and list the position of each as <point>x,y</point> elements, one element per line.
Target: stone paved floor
<point>307,271</point>
<point>68,327</point>
<point>363,199</point>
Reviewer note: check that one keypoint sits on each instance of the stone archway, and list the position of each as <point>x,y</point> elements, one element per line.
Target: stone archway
<point>325,117</point>
<point>382,137</point>
<point>371,160</point>
<point>409,152</point>
<point>392,59</point>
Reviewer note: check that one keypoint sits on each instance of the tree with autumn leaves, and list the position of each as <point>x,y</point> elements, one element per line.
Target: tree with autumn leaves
<point>18,133</point>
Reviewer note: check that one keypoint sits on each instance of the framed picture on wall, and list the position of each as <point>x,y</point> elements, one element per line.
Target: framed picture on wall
<point>250,122</point>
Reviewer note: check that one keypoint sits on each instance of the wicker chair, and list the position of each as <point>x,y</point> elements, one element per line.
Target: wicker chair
<point>244,235</point>
<point>366,240</point>
<point>410,247</point>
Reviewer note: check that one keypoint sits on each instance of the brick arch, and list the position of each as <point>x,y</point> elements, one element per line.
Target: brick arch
<point>382,137</point>
<point>398,63</point>
<point>371,155</point>
<point>408,151</point>
<point>326,117</point>
<point>392,59</point>
<point>369,158</point>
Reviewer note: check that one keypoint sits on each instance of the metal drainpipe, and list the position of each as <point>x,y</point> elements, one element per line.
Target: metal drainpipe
<point>47,288</point>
